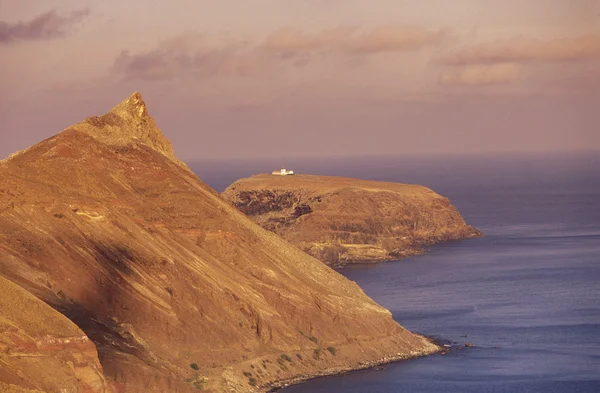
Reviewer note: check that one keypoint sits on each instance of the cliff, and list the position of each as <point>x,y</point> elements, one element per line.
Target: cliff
<point>342,220</point>
<point>177,290</point>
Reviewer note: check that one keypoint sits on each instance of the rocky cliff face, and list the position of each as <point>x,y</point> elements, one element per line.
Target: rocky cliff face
<point>342,220</point>
<point>178,290</point>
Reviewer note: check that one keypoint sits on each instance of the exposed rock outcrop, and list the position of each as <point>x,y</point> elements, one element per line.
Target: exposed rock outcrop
<point>178,290</point>
<point>128,122</point>
<point>342,220</point>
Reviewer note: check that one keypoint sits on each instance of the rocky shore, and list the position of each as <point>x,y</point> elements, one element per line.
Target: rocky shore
<point>279,384</point>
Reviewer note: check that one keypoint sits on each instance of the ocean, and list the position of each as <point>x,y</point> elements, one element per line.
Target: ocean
<point>527,295</point>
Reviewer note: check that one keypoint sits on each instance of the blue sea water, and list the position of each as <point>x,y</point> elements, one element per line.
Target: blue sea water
<point>527,294</point>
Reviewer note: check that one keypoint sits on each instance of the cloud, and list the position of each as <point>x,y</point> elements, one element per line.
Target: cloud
<point>153,65</point>
<point>177,57</point>
<point>526,50</point>
<point>287,40</point>
<point>351,40</point>
<point>392,39</point>
<point>480,75</point>
<point>45,26</point>
<point>284,49</point>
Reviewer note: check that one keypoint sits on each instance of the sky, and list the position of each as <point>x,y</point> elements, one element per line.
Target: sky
<point>309,78</point>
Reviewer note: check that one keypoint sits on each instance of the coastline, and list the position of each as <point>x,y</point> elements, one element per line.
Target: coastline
<point>365,365</point>
<point>407,253</point>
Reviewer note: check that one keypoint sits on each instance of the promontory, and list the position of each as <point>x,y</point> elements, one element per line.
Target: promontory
<point>342,220</point>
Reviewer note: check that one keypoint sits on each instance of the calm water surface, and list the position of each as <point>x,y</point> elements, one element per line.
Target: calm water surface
<point>530,287</point>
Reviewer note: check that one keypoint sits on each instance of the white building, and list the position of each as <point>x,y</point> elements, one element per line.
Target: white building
<point>282,172</point>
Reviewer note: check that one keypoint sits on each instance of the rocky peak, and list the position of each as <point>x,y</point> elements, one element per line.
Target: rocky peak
<point>127,123</point>
<point>134,106</point>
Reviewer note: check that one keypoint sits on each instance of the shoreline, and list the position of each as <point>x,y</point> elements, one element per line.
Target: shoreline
<point>283,383</point>
<point>411,253</point>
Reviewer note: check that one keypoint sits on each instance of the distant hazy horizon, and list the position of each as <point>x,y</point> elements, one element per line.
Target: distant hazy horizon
<point>421,155</point>
<point>309,77</point>
<point>441,172</point>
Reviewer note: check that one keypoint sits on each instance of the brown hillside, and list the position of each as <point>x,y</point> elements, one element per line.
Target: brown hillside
<point>340,220</point>
<point>105,225</point>
<point>41,350</point>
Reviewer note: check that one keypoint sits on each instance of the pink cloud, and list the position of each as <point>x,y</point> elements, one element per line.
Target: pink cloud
<point>527,50</point>
<point>391,39</point>
<point>288,40</point>
<point>480,75</point>
<point>174,58</point>
<point>350,40</point>
<point>285,48</point>
<point>45,26</point>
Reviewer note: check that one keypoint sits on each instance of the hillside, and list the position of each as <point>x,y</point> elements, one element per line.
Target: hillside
<point>41,350</point>
<point>178,290</point>
<point>341,220</point>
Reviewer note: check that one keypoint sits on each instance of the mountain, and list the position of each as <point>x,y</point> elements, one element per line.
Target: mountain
<point>178,290</point>
<point>341,220</point>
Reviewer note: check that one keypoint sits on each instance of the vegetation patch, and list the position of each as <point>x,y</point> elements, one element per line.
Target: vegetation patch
<point>317,353</point>
<point>286,357</point>
<point>332,350</point>
<point>311,338</point>
<point>197,380</point>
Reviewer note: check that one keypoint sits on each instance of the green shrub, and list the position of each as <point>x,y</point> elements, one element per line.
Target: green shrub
<point>286,357</point>
<point>332,350</point>
<point>299,356</point>
<point>317,353</point>
<point>313,339</point>
<point>194,366</point>
<point>252,381</point>
<point>247,374</point>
